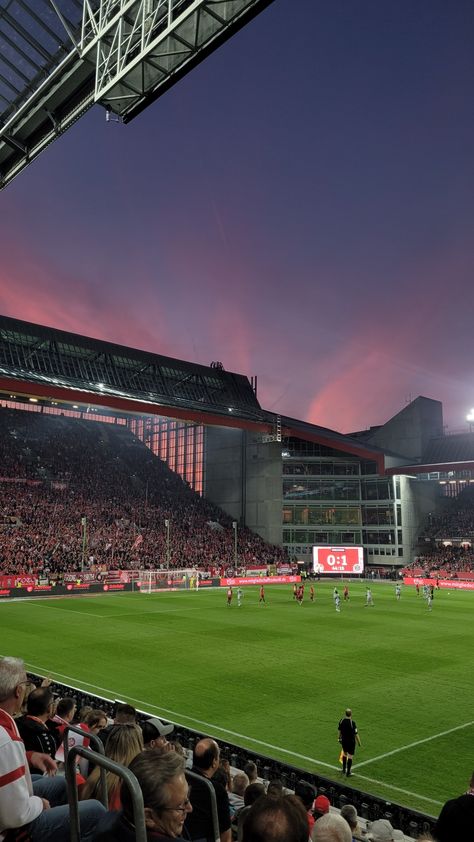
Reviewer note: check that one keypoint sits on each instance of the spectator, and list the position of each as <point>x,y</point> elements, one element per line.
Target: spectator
<point>123,744</point>
<point>456,819</point>
<point>165,791</point>
<point>381,831</point>
<point>349,813</point>
<point>240,783</point>
<point>38,802</point>
<point>251,771</point>
<point>321,806</point>
<point>306,793</point>
<point>154,734</point>
<point>281,819</point>
<point>275,788</point>
<point>124,715</point>
<point>32,726</point>
<point>199,825</point>
<point>331,828</point>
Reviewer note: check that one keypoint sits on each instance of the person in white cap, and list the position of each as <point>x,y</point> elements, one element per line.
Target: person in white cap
<point>381,831</point>
<point>154,734</point>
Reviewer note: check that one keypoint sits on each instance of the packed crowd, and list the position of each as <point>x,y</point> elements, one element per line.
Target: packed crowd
<point>454,524</point>
<point>77,492</point>
<point>206,802</point>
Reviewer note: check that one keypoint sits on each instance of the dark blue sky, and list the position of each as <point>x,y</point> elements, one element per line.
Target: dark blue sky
<point>299,207</point>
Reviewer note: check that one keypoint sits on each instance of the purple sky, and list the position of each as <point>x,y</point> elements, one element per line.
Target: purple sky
<point>300,207</point>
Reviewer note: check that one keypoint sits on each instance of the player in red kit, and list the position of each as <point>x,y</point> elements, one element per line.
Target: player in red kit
<point>262,594</point>
<point>346,593</point>
<point>229,596</point>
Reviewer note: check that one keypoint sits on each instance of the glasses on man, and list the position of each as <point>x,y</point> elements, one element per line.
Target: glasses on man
<point>182,808</point>
<point>27,683</point>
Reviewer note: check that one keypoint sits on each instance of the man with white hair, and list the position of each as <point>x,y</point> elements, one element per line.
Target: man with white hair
<point>32,808</point>
<point>331,828</point>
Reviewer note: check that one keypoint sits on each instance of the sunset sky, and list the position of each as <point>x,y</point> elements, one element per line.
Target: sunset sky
<point>299,207</point>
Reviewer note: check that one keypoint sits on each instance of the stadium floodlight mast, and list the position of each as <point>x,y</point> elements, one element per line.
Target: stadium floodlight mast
<point>470,419</point>
<point>167,525</point>
<point>84,541</point>
<point>234,527</point>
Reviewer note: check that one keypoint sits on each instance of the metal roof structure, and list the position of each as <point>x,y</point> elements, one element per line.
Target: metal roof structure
<point>59,57</point>
<point>54,364</point>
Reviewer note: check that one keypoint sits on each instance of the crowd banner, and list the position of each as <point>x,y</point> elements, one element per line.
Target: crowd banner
<point>452,584</point>
<point>259,580</point>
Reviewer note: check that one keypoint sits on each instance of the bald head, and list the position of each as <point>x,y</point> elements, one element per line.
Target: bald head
<point>206,756</point>
<point>331,828</point>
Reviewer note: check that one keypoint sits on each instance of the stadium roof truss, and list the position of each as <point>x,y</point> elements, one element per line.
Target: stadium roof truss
<point>59,57</point>
<point>44,361</point>
<point>53,365</point>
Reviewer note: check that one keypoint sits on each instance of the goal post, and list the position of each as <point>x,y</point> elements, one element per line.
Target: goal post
<point>152,581</point>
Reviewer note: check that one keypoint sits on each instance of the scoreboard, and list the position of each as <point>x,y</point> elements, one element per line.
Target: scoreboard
<point>338,560</point>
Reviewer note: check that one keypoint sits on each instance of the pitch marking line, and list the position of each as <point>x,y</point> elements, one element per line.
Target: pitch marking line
<point>111,695</point>
<point>417,743</point>
<point>106,616</point>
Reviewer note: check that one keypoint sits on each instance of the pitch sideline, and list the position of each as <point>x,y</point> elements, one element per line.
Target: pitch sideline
<point>177,716</point>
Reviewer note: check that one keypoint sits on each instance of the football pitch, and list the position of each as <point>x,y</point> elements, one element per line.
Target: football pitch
<point>276,678</point>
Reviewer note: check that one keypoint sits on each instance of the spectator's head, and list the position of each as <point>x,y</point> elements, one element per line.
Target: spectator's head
<point>306,792</point>
<point>82,713</point>
<point>66,709</point>
<point>220,776</point>
<point>240,783</point>
<point>321,806</point>
<point>349,813</point>
<point>14,685</point>
<point>251,771</point>
<point>331,828</point>
<point>40,703</point>
<point>280,819</point>
<point>275,788</point>
<point>206,756</point>
<point>381,831</point>
<point>123,743</point>
<point>165,792</point>
<point>253,792</point>
<point>154,734</point>
<point>96,720</point>
<point>125,714</point>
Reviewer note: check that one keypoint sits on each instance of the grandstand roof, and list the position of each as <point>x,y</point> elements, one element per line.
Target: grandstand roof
<point>53,363</point>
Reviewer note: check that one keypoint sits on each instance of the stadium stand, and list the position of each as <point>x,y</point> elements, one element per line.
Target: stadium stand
<point>57,471</point>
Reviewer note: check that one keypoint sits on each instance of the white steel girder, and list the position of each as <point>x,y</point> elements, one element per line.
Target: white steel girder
<point>140,46</point>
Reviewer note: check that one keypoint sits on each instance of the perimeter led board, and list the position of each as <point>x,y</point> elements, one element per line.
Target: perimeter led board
<point>338,560</point>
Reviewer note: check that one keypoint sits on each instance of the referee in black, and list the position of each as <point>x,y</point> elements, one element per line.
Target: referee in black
<point>348,737</point>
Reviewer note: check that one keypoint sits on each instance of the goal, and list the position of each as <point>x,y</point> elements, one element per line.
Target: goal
<point>151,581</point>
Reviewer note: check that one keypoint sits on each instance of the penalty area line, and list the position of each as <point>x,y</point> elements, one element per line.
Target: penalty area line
<point>177,716</point>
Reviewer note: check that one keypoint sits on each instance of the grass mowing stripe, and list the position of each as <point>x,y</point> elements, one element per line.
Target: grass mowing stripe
<point>112,695</point>
<point>416,743</point>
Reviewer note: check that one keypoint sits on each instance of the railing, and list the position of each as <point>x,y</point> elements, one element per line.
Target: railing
<point>106,764</point>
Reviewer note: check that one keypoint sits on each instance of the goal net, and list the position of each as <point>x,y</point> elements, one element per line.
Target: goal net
<point>151,581</point>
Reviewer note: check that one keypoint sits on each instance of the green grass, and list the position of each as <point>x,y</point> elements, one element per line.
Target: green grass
<point>276,678</point>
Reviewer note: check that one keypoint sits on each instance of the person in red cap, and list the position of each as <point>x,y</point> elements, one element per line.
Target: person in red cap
<point>321,806</point>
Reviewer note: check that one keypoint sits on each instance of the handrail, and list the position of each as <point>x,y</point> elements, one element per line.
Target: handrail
<point>201,780</point>
<point>98,746</point>
<point>105,763</point>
